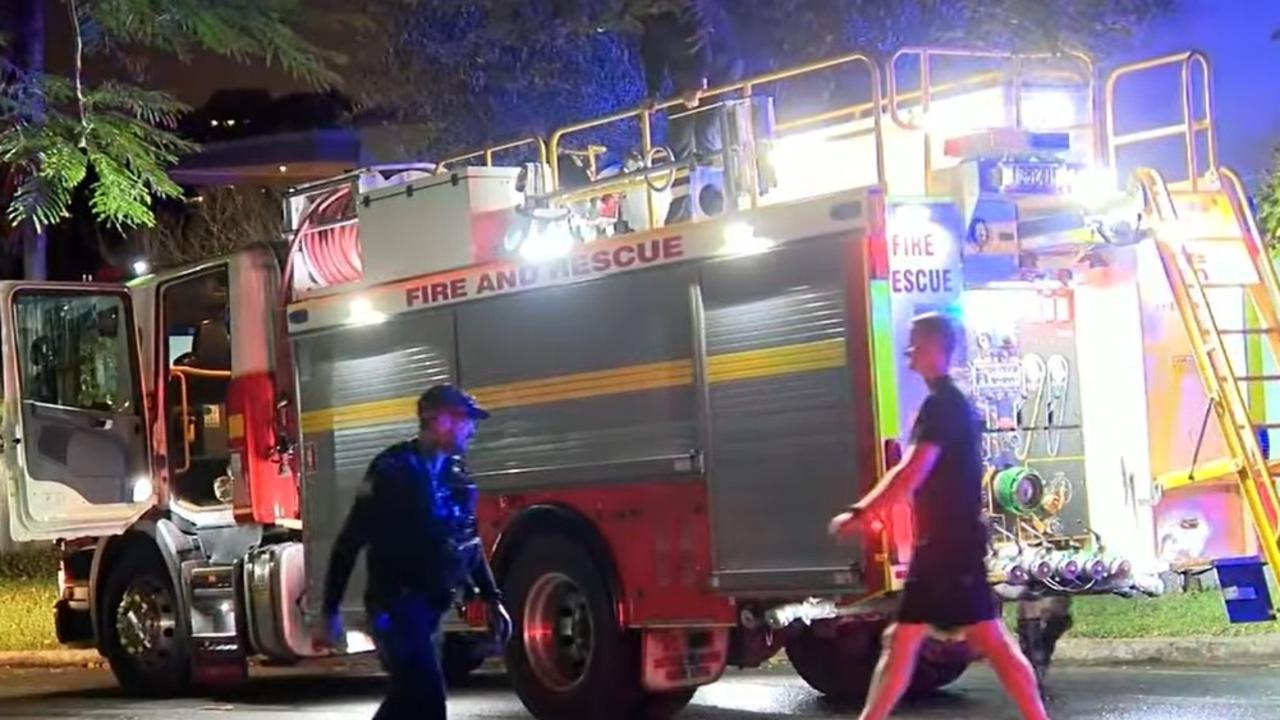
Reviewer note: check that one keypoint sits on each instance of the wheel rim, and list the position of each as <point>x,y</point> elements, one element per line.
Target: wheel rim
<point>146,622</point>
<point>559,637</point>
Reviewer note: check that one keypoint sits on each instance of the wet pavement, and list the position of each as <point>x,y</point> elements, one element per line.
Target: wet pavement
<point>1231,693</point>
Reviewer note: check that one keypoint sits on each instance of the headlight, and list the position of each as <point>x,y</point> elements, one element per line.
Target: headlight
<point>142,489</point>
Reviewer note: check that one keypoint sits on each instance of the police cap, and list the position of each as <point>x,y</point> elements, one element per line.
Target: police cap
<point>450,397</point>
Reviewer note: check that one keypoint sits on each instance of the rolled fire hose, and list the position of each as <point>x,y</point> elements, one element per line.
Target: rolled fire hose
<point>1059,380</point>
<point>1019,490</point>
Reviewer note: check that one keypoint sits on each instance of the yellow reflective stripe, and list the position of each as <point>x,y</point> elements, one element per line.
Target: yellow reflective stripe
<point>770,362</point>
<point>584,385</point>
<point>727,367</point>
<point>358,415</point>
<point>235,426</point>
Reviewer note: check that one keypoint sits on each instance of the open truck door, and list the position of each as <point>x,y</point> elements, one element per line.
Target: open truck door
<point>74,446</point>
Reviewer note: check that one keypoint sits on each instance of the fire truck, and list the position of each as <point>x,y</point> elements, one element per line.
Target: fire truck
<point>678,408</point>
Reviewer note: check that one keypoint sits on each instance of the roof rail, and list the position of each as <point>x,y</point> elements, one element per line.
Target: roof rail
<point>1189,129</point>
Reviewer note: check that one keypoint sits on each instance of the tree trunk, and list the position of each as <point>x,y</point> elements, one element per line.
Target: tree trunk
<point>35,253</point>
<point>24,19</point>
<point>26,24</point>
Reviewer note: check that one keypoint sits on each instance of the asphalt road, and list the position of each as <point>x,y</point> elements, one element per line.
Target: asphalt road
<point>1079,693</point>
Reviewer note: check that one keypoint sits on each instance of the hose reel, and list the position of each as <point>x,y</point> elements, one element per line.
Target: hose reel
<point>1019,490</point>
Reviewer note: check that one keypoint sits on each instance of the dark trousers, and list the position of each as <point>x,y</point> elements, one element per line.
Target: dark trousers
<point>407,635</point>
<point>692,136</point>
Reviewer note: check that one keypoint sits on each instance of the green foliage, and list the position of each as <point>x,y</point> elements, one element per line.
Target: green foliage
<point>1268,198</point>
<point>117,145</point>
<point>113,139</point>
<point>28,589</point>
<point>477,71</point>
<point>243,30</point>
<point>39,563</point>
<point>26,617</point>
<point>1096,26</point>
<point>1177,614</point>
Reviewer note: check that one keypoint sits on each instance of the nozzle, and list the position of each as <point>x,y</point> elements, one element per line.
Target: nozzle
<point>1120,569</point>
<point>1094,568</point>
<point>1067,568</point>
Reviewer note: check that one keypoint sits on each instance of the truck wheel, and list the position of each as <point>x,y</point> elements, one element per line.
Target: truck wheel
<point>459,657</point>
<point>568,657</point>
<point>839,665</point>
<point>940,664</point>
<point>146,640</point>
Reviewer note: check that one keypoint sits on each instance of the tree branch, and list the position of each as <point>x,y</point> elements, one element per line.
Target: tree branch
<point>78,67</point>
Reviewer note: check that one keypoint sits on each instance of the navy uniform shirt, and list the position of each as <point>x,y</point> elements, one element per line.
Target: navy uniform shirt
<point>419,528</point>
<point>948,504</point>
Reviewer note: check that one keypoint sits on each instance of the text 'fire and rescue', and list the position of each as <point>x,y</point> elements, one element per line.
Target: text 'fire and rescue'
<point>581,264</point>
<point>917,280</point>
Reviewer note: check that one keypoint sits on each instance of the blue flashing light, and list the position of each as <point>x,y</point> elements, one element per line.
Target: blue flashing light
<point>1050,141</point>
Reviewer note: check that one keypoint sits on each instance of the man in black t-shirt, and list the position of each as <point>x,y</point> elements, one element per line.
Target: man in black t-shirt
<point>940,476</point>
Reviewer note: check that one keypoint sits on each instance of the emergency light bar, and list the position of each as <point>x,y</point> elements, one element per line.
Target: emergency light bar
<point>1023,177</point>
<point>1000,142</point>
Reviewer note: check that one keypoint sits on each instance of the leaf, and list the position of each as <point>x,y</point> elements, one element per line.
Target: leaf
<point>242,30</point>
<point>42,200</point>
<point>1268,202</point>
<point>120,140</point>
<point>150,106</point>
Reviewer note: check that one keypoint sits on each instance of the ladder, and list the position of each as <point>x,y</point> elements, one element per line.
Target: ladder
<point>1243,265</point>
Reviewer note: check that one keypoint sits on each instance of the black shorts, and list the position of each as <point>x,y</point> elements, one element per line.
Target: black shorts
<point>947,594</point>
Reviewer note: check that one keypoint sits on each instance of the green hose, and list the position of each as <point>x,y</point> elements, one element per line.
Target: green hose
<point>1019,490</point>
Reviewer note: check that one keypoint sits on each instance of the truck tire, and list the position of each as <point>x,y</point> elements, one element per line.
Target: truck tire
<point>568,657</point>
<point>841,666</point>
<point>940,664</point>
<point>145,639</point>
<point>838,665</point>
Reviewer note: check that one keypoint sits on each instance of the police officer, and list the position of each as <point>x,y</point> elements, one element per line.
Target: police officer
<point>416,512</point>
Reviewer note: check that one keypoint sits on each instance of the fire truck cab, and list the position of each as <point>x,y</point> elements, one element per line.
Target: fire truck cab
<point>678,409</point>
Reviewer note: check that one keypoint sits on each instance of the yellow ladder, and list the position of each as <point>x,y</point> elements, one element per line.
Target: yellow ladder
<point>1243,264</point>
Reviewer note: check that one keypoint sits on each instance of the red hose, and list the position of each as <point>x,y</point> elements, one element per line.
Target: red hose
<point>330,255</point>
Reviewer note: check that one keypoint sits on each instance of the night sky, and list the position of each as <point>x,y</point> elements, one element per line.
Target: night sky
<point>1236,34</point>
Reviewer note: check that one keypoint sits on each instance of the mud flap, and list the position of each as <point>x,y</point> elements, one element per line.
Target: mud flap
<point>683,658</point>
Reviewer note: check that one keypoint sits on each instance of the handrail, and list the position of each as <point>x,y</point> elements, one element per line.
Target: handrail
<point>1239,199</point>
<point>926,86</point>
<point>927,90</point>
<point>645,115</point>
<point>186,411</point>
<point>200,372</point>
<point>592,153</point>
<point>1190,127</point>
<point>488,152</point>
<point>893,105</point>
<point>181,372</point>
<point>1159,199</point>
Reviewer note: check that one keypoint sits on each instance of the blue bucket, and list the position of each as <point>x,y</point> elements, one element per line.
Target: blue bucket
<point>1244,589</point>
